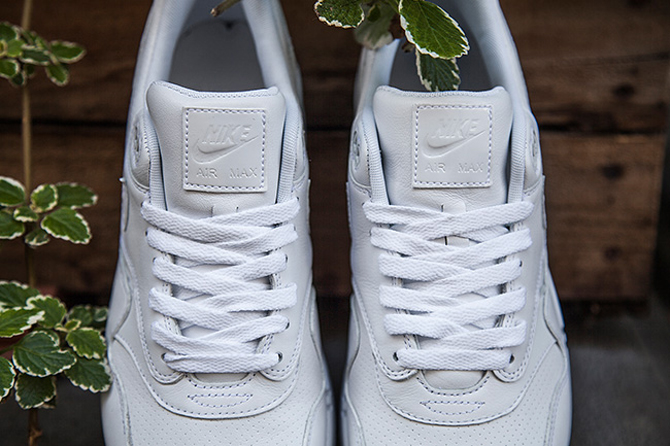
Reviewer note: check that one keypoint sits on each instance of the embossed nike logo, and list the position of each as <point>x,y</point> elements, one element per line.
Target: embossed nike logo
<point>221,140</point>
<point>452,134</point>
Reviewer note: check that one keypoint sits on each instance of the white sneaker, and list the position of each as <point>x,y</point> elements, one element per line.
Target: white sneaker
<point>456,335</point>
<point>213,333</point>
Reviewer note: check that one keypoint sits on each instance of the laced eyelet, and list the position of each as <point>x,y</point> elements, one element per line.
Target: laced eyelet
<point>288,325</point>
<point>163,358</point>
<point>280,357</point>
<point>395,356</point>
<point>511,359</point>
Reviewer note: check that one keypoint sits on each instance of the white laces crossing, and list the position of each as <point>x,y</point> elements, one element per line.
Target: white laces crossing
<point>451,296</point>
<point>219,283</point>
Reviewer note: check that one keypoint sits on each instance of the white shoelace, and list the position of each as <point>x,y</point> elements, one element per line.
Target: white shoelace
<point>220,283</point>
<point>451,297</point>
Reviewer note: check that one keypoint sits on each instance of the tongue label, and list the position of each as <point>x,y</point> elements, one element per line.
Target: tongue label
<point>452,146</point>
<point>224,150</point>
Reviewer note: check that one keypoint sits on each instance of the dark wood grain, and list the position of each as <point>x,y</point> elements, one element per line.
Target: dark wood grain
<point>597,75</point>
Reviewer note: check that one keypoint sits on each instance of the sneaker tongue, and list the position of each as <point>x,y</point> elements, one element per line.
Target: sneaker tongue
<point>444,150</point>
<point>220,152</point>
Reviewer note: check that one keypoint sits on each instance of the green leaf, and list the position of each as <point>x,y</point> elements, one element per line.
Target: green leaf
<point>9,68</point>
<point>374,32</point>
<point>33,392</point>
<point>37,237</point>
<point>35,56</point>
<point>67,52</point>
<point>58,73</point>
<point>12,193</point>
<point>67,224</point>
<point>7,376</point>
<point>87,342</point>
<point>14,48</point>
<point>82,313</point>
<point>90,374</point>
<point>25,214</point>
<point>19,80</point>
<point>15,295</point>
<point>38,354</point>
<point>8,31</point>
<point>16,321</point>
<point>54,310</point>
<point>437,74</point>
<point>44,198</point>
<point>28,71</point>
<point>72,325</point>
<point>432,30</point>
<point>341,13</point>
<point>10,228</point>
<point>75,196</point>
<point>99,317</point>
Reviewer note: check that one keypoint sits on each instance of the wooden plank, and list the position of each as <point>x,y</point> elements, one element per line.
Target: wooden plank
<point>101,82</point>
<point>328,153</point>
<point>87,155</point>
<point>602,205</point>
<point>599,65</point>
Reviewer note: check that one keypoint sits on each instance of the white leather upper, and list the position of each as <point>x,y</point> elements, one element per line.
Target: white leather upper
<point>244,150</point>
<point>409,149</point>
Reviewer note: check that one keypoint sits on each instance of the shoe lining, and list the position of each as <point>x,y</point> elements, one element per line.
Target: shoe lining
<point>216,54</point>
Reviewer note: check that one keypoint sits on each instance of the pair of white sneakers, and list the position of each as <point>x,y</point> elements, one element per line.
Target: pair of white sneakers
<point>456,336</point>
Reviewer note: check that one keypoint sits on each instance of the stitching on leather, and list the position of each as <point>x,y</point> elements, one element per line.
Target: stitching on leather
<point>416,147</point>
<point>178,410</point>
<point>478,405</point>
<point>375,350</point>
<point>197,95</point>
<point>279,373</point>
<point>196,186</point>
<point>537,298</point>
<point>511,407</point>
<point>246,397</point>
<point>433,391</point>
<point>162,377</point>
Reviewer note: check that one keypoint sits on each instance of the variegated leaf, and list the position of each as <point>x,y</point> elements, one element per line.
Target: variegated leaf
<point>37,354</point>
<point>33,392</point>
<point>15,295</point>
<point>67,224</point>
<point>90,374</point>
<point>16,321</point>
<point>44,198</point>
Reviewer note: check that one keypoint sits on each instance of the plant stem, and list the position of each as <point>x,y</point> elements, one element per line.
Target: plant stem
<point>34,431</point>
<point>27,13</point>
<point>26,137</point>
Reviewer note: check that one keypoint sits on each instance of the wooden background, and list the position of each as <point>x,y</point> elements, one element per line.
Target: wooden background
<point>597,73</point>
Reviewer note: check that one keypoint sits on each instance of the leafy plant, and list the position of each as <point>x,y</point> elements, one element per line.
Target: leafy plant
<point>23,51</point>
<point>41,338</point>
<point>47,340</point>
<point>49,211</point>
<point>435,37</point>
